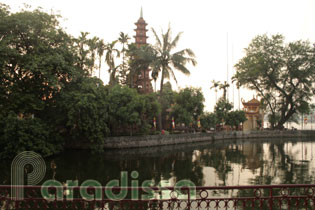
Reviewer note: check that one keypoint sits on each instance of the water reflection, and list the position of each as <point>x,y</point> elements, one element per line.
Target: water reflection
<point>206,164</point>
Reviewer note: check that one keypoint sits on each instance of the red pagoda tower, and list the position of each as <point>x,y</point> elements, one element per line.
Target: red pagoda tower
<point>142,81</point>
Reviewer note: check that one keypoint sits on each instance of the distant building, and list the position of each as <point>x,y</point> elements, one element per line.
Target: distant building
<point>254,115</point>
<point>142,81</point>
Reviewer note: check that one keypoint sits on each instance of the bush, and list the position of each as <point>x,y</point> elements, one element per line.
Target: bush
<point>20,135</point>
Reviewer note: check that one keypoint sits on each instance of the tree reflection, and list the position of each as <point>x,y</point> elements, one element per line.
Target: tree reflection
<point>237,163</point>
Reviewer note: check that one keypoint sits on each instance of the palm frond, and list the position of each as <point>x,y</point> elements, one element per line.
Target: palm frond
<point>181,67</point>
<point>157,38</point>
<point>175,41</point>
<point>173,75</point>
<point>166,39</point>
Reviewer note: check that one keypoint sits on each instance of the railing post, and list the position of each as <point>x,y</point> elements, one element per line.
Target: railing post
<point>188,204</point>
<point>270,199</point>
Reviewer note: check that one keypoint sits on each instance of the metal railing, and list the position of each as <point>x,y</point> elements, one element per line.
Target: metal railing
<point>297,196</point>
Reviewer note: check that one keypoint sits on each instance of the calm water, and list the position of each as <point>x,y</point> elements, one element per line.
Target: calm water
<point>226,163</point>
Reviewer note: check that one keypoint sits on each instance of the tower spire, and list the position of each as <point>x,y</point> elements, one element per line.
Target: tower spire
<point>141,13</point>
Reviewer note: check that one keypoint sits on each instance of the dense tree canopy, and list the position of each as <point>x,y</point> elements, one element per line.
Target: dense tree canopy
<point>188,105</point>
<point>36,60</point>
<point>282,74</point>
<point>221,110</point>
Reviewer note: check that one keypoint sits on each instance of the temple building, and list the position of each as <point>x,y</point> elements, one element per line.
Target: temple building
<point>142,80</point>
<point>254,115</point>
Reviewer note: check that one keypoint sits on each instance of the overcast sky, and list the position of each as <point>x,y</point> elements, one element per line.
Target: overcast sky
<point>216,30</point>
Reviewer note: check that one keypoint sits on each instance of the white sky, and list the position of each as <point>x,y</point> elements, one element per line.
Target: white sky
<point>206,25</point>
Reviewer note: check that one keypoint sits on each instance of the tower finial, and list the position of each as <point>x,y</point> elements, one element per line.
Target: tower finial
<point>141,13</point>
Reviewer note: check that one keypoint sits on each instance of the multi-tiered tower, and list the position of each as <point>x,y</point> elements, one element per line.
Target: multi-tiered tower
<point>142,80</point>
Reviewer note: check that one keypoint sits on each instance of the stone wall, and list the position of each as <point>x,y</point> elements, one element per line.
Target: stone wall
<point>160,140</point>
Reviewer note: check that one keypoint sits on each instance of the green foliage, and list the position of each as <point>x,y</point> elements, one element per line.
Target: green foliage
<point>18,135</point>
<point>168,98</point>
<point>151,109</point>
<point>139,60</point>
<point>166,60</point>
<point>208,120</point>
<point>36,59</point>
<point>222,109</point>
<point>83,108</point>
<point>282,74</point>
<point>125,106</point>
<point>235,118</point>
<point>188,105</point>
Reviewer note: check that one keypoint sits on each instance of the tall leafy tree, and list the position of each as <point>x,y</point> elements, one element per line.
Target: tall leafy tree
<point>167,61</point>
<point>125,107</point>
<point>123,39</point>
<point>140,58</point>
<point>282,74</point>
<point>111,54</point>
<point>93,48</point>
<point>100,52</point>
<point>215,85</point>
<point>221,110</point>
<point>83,50</point>
<point>188,105</point>
<point>37,61</point>
<point>224,86</point>
<point>82,111</point>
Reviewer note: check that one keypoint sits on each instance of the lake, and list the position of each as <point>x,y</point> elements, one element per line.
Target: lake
<point>224,163</point>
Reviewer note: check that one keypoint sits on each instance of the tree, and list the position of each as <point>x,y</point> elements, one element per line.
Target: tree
<point>235,118</point>
<point>188,106</point>
<point>282,74</point>
<point>215,85</point>
<point>150,110</point>
<point>110,61</point>
<point>125,108</point>
<point>208,120</point>
<point>224,86</point>
<point>123,39</point>
<point>85,61</point>
<point>168,100</point>
<point>27,134</point>
<point>37,61</point>
<point>222,109</point>
<point>166,61</point>
<point>140,58</point>
<point>82,111</point>
<point>93,48</point>
<point>100,52</point>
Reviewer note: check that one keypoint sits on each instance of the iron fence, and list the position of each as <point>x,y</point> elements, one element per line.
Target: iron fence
<point>297,196</point>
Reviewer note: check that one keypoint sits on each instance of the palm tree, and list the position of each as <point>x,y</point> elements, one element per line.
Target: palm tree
<point>140,58</point>
<point>82,42</point>
<point>154,75</point>
<point>215,85</point>
<point>166,61</point>
<point>123,39</point>
<point>92,43</point>
<point>224,86</point>
<point>110,60</point>
<point>100,52</point>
